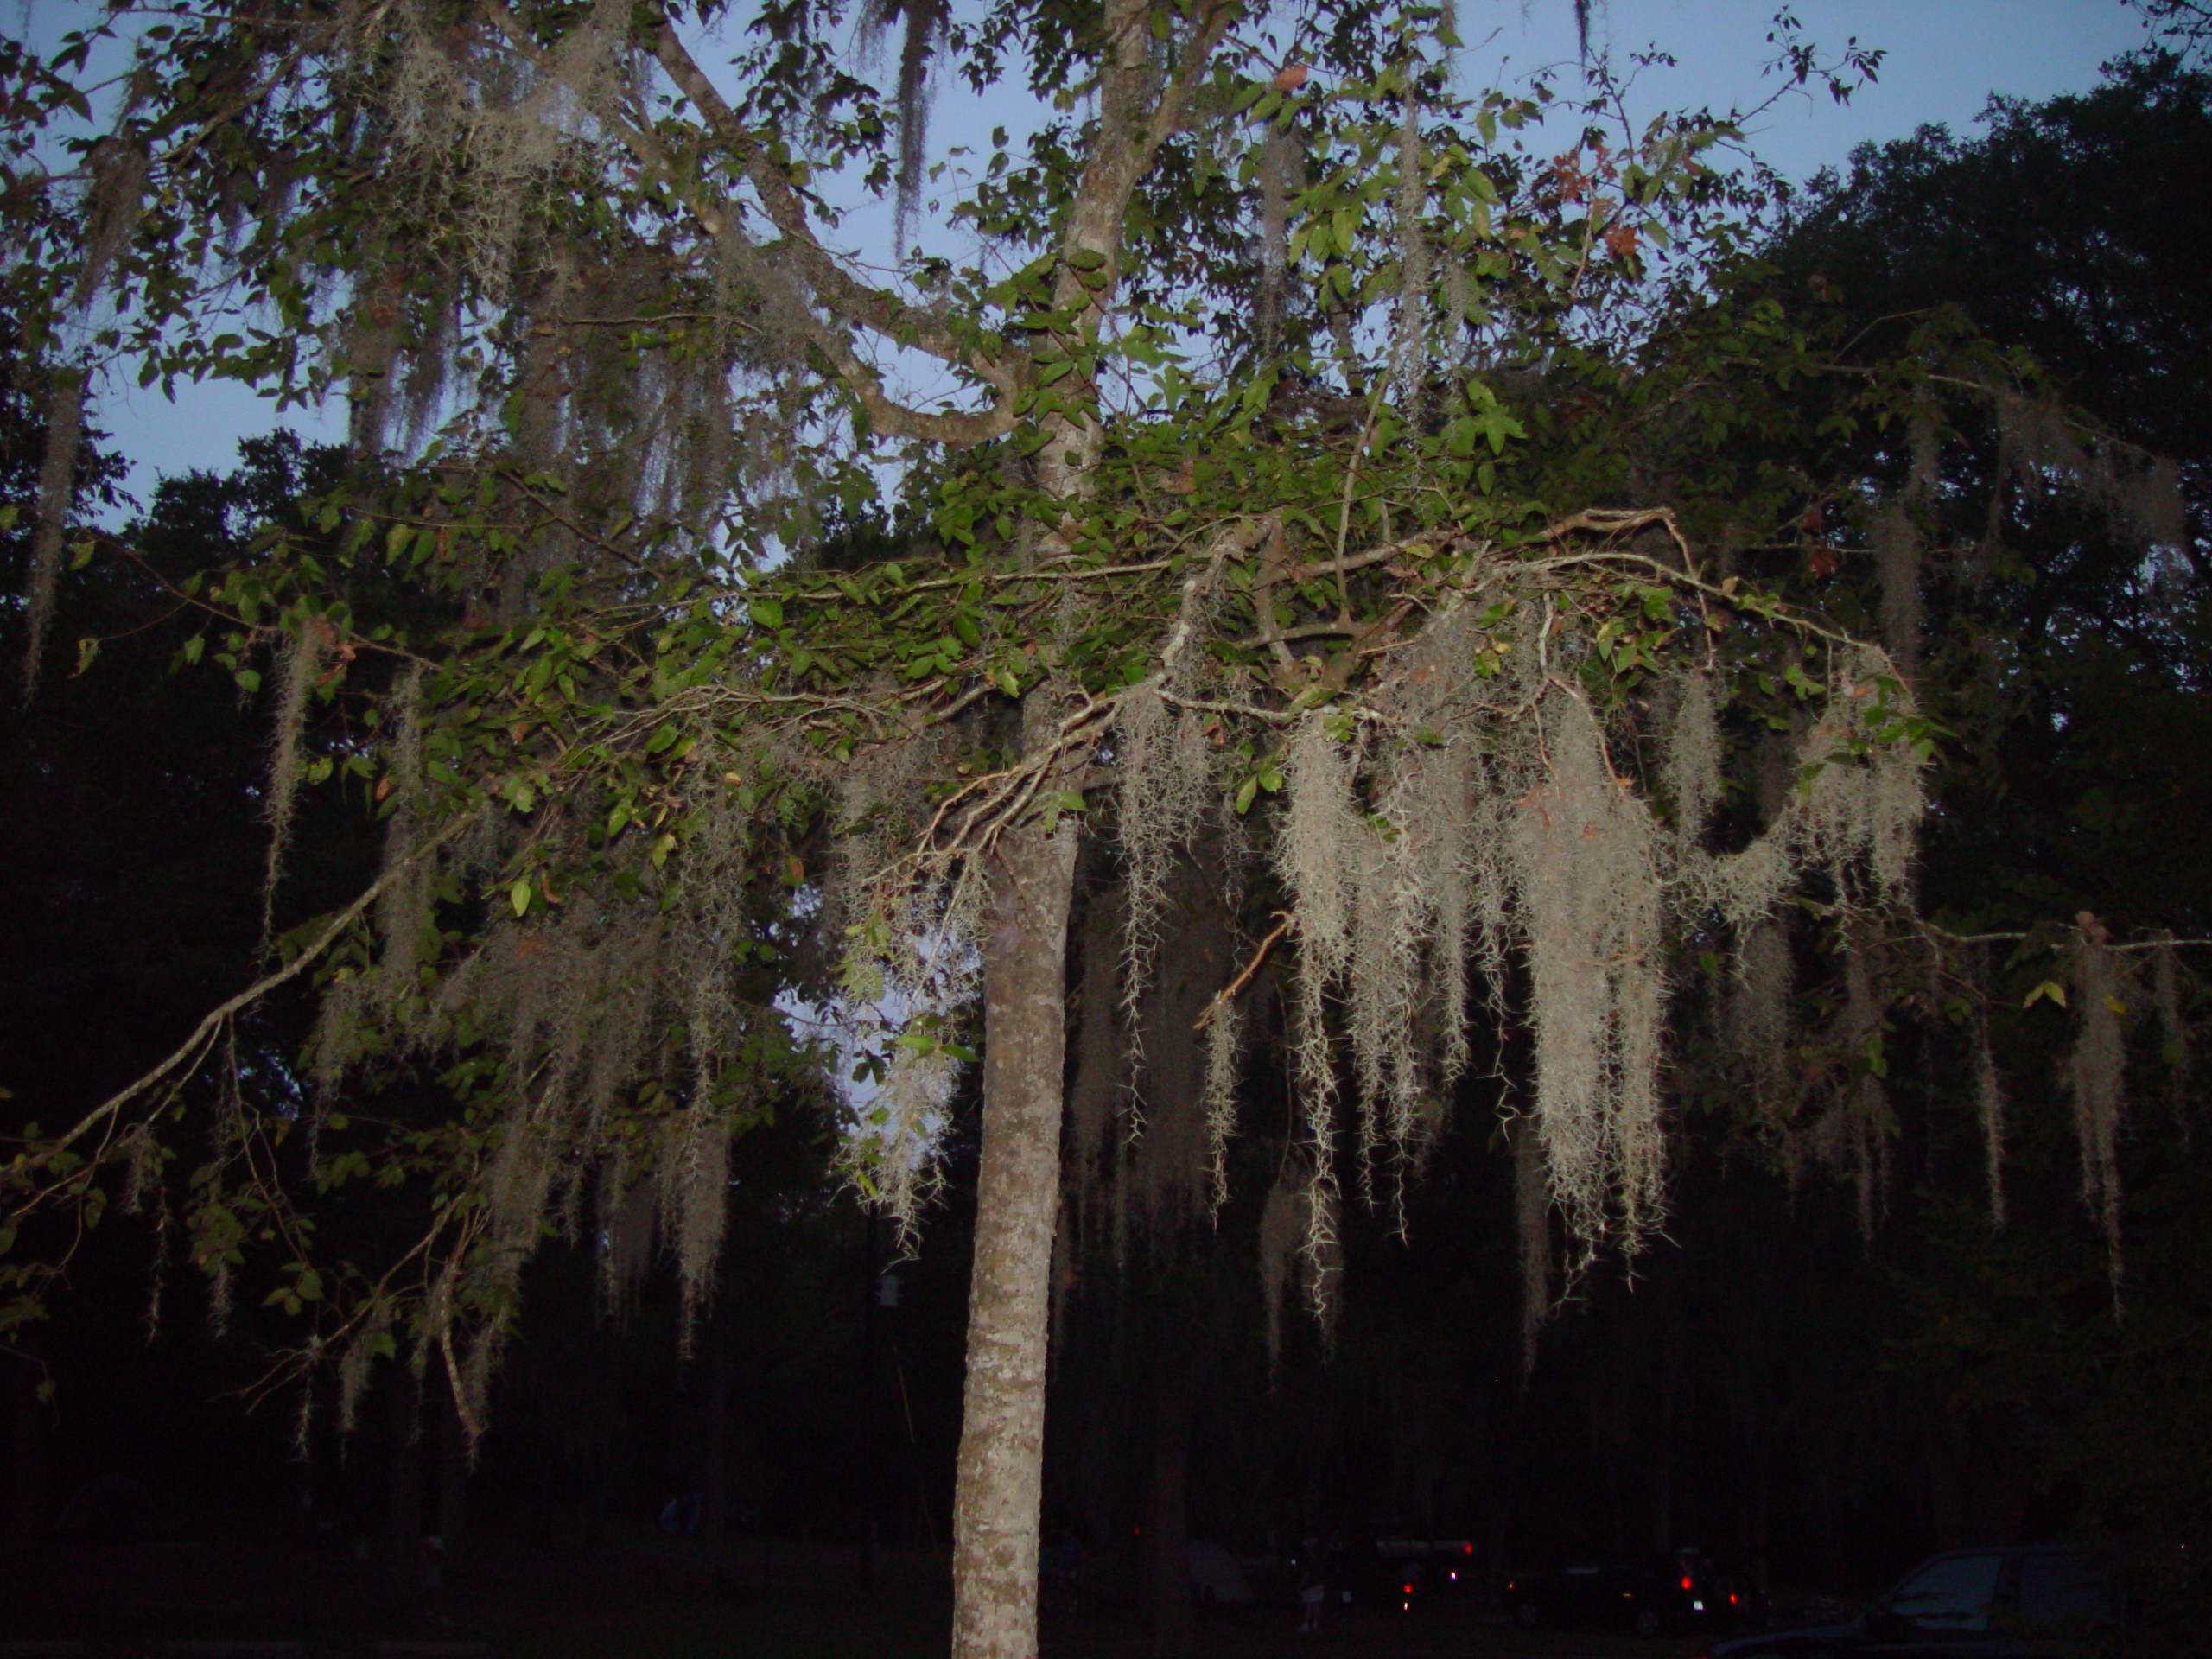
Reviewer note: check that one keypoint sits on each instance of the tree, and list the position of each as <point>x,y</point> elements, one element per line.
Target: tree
<point>2187,22</point>
<point>2060,600</point>
<point>1304,441</point>
<point>2072,668</point>
<point>2098,284</point>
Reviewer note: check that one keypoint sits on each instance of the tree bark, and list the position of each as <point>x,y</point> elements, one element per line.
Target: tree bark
<point>714,1520</point>
<point>1171,1532</point>
<point>27,1449</point>
<point>453,1479</point>
<point>999,1487</point>
<point>403,1513</point>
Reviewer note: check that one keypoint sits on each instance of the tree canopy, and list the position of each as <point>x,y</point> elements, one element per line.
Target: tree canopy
<point>1406,507</point>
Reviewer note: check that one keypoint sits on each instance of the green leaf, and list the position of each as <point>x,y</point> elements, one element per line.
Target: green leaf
<point>1343,229</point>
<point>518,895</point>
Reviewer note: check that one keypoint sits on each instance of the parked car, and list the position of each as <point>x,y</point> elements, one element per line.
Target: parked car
<point>1422,1571</point>
<point>1997,1603</point>
<point>1391,1566</point>
<point>1683,1594</point>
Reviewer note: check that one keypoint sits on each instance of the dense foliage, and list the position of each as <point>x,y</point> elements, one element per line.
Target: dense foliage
<point>1443,544</point>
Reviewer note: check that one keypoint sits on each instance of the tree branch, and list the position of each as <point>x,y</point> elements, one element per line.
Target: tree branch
<point>853,303</point>
<point>204,1033</point>
<point>1285,920</point>
<point>867,307</point>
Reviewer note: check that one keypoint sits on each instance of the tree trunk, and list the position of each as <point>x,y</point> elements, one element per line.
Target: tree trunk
<point>27,1451</point>
<point>452,1478</point>
<point>403,1513</point>
<point>714,1518</point>
<point>871,1490</point>
<point>995,1506</point>
<point>1171,1531</point>
<point>999,1487</point>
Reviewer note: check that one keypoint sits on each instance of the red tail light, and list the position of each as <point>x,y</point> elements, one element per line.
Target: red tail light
<point>1686,1580</point>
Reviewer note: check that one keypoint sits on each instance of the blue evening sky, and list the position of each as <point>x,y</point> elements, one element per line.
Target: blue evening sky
<point>1945,59</point>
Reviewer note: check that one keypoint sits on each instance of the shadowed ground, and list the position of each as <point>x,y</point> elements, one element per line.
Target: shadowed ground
<point>653,1599</point>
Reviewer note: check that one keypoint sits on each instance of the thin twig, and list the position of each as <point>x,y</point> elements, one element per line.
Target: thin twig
<point>1285,921</point>
<point>1344,506</point>
<point>2019,936</point>
<point>204,1032</point>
